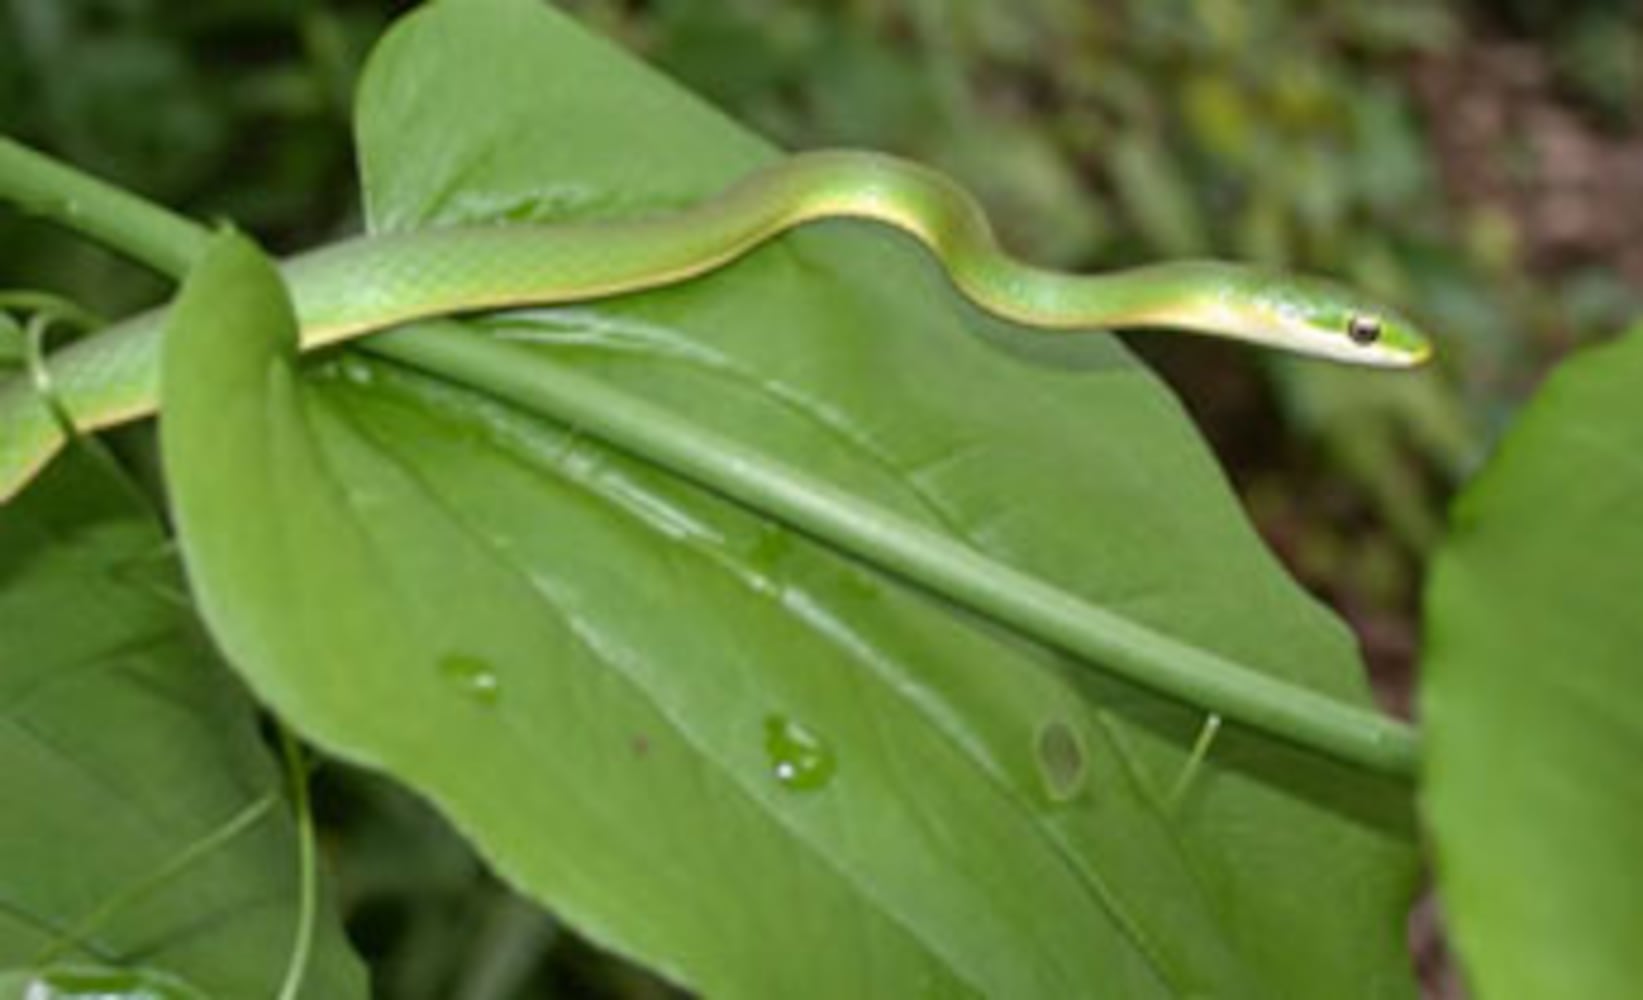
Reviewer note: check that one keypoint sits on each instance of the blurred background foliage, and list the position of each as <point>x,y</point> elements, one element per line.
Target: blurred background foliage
<point>1481,162</point>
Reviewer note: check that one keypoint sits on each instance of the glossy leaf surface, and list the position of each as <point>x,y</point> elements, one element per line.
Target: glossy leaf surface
<point>704,740</point>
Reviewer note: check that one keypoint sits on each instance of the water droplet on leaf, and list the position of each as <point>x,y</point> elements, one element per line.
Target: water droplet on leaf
<point>473,676</point>
<point>1062,759</point>
<point>800,759</point>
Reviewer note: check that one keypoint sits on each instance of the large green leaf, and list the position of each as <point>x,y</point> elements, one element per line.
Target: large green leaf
<point>1530,688</point>
<point>703,739</point>
<point>123,744</point>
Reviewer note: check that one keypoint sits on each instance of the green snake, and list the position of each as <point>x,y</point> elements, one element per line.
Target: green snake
<point>363,285</point>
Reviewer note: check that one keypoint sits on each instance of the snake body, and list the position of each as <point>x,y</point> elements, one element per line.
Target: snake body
<point>359,286</point>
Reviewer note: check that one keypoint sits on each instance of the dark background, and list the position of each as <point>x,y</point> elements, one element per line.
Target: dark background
<point>1480,162</point>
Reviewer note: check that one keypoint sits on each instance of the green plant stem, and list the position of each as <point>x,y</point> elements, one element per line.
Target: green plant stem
<point>59,309</point>
<point>908,549</point>
<point>115,218</point>
<point>307,867</point>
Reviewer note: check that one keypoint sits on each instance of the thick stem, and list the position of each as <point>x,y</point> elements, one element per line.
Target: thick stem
<point>117,219</point>
<point>909,550</point>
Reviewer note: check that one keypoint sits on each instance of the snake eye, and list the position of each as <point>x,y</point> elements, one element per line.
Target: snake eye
<point>1363,329</point>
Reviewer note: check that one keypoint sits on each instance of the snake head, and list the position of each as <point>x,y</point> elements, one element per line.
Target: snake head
<point>1302,315</point>
<point>1325,319</point>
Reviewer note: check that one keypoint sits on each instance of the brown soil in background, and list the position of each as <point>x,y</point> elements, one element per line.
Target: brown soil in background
<point>1506,138</point>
